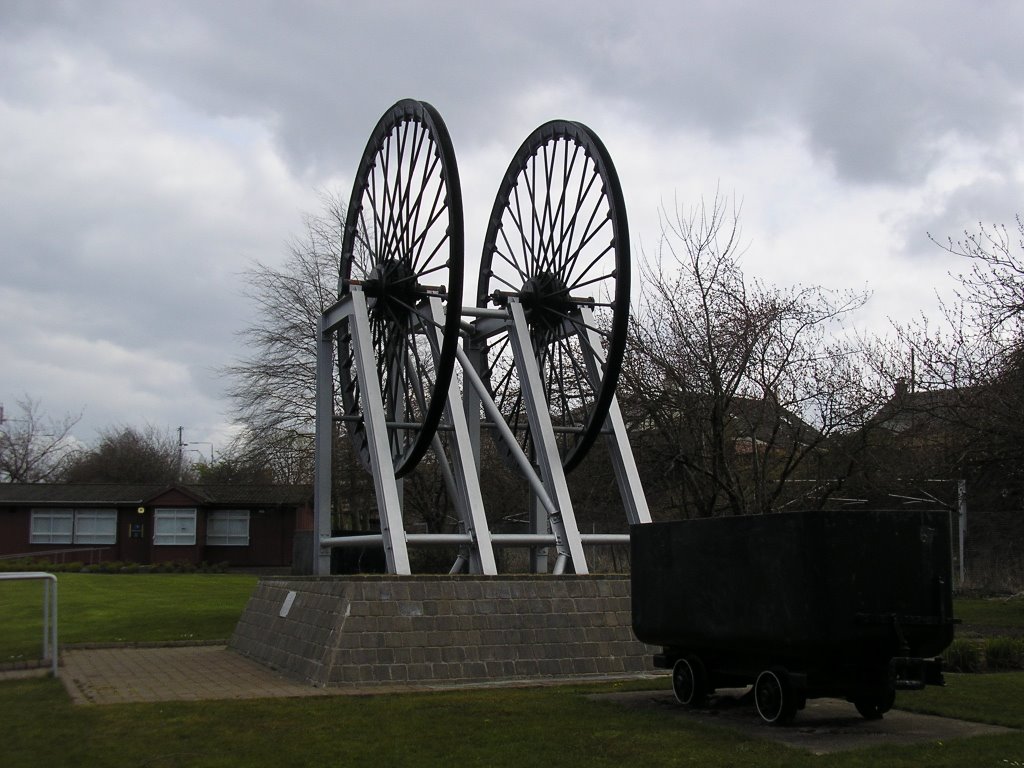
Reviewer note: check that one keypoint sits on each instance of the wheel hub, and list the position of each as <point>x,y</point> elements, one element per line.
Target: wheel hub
<point>392,289</point>
<point>546,301</point>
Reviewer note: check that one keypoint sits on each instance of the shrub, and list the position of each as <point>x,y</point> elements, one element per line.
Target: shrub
<point>963,655</point>
<point>1004,653</point>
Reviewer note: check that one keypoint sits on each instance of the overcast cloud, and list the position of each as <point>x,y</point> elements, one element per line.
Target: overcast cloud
<point>151,151</point>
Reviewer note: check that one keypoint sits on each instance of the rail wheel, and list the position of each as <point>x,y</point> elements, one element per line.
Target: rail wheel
<point>557,241</point>
<point>875,702</point>
<point>775,697</point>
<point>403,243</point>
<point>690,682</point>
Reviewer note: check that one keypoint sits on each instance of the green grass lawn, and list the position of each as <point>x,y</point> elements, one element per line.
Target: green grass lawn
<point>102,608</point>
<point>502,727</point>
<point>999,612</point>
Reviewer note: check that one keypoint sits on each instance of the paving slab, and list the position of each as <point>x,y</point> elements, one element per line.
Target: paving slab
<point>823,727</point>
<point>186,673</point>
<point>125,675</point>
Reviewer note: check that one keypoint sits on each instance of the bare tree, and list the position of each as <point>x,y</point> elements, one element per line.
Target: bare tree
<point>991,294</point>
<point>34,448</point>
<point>734,385</point>
<point>274,389</point>
<point>974,354</point>
<point>129,455</point>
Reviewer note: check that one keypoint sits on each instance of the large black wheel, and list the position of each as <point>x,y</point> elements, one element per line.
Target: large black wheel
<point>877,699</point>
<point>690,682</point>
<point>775,697</point>
<point>557,241</point>
<point>403,244</point>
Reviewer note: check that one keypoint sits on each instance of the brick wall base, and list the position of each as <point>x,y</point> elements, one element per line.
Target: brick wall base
<point>388,630</point>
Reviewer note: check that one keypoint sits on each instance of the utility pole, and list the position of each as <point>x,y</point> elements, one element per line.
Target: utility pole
<point>182,445</point>
<point>181,452</point>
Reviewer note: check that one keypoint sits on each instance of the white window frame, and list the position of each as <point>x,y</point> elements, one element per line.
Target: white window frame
<point>179,524</point>
<point>40,533</point>
<point>103,532</point>
<point>227,528</point>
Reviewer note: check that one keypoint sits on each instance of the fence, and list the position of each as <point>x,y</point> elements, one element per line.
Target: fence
<point>85,554</point>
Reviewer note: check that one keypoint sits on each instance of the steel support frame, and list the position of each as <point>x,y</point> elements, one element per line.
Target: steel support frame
<point>550,500</point>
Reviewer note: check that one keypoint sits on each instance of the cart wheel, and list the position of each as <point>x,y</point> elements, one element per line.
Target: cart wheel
<point>690,682</point>
<point>775,697</point>
<point>403,242</point>
<point>557,240</point>
<point>876,703</point>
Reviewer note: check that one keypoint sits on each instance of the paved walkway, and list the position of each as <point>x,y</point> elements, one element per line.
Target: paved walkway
<point>184,673</point>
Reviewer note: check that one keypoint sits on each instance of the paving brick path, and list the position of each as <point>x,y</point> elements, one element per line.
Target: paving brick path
<point>188,673</point>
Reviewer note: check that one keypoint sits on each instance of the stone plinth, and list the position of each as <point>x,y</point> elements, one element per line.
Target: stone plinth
<point>377,630</point>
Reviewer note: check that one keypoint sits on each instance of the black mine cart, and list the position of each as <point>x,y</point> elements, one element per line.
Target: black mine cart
<point>849,604</point>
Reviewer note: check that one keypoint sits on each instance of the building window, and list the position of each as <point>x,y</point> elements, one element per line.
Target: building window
<point>174,527</point>
<point>52,526</point>
<point>73,526</point>
<point>228,528</point>
<point>95,526</point>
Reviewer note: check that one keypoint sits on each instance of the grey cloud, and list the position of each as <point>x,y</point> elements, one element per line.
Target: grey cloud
<point>140,252</point>
<point>875,83</point>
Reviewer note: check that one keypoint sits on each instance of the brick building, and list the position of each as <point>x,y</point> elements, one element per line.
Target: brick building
<point>242,525</point>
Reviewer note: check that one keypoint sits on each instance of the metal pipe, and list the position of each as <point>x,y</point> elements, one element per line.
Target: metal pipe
<point>497,539</point>
<point>369,539</point>
<point>51,649</point>
<point>506,433</point>
<point>484,312</point>
<point>439,539</point>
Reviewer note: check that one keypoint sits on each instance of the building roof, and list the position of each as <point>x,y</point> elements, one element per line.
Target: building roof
<point>97,494</point>
<point>923,410</point>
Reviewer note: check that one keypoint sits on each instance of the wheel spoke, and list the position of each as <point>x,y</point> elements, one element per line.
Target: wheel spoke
<point>404,231</point>
<point>557,232</point>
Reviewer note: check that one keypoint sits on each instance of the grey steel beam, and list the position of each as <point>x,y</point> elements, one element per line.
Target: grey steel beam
<point>470,498</point>
<point>623,462</point>
<point>389,504</point>
<point>498,422</point>
<point>323,445</point>
<point>563,522</point>
<point>458,539</point>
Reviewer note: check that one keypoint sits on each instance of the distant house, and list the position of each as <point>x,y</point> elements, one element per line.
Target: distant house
<point>763,426</point>
<point>750,425</point>
<point>242,525</point>
<point>919,417</point>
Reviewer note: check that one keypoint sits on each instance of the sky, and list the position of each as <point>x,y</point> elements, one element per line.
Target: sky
<point>151,152</point>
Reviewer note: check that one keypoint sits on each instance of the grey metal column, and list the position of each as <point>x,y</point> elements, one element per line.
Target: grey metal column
<point>563,525</point>
<point>323,441</point>
<point>623,462</point>
<point>464,465</point>
<point>389,504</point>
<point>538,525</point>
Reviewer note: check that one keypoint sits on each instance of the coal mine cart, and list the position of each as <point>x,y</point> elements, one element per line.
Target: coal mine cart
<point>846,604</point>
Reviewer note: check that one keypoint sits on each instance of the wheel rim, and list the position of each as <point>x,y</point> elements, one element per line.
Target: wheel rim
<point>557,240</point>
<point>403,242</point>
<point>683,682</point>
<point>769,696</point>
